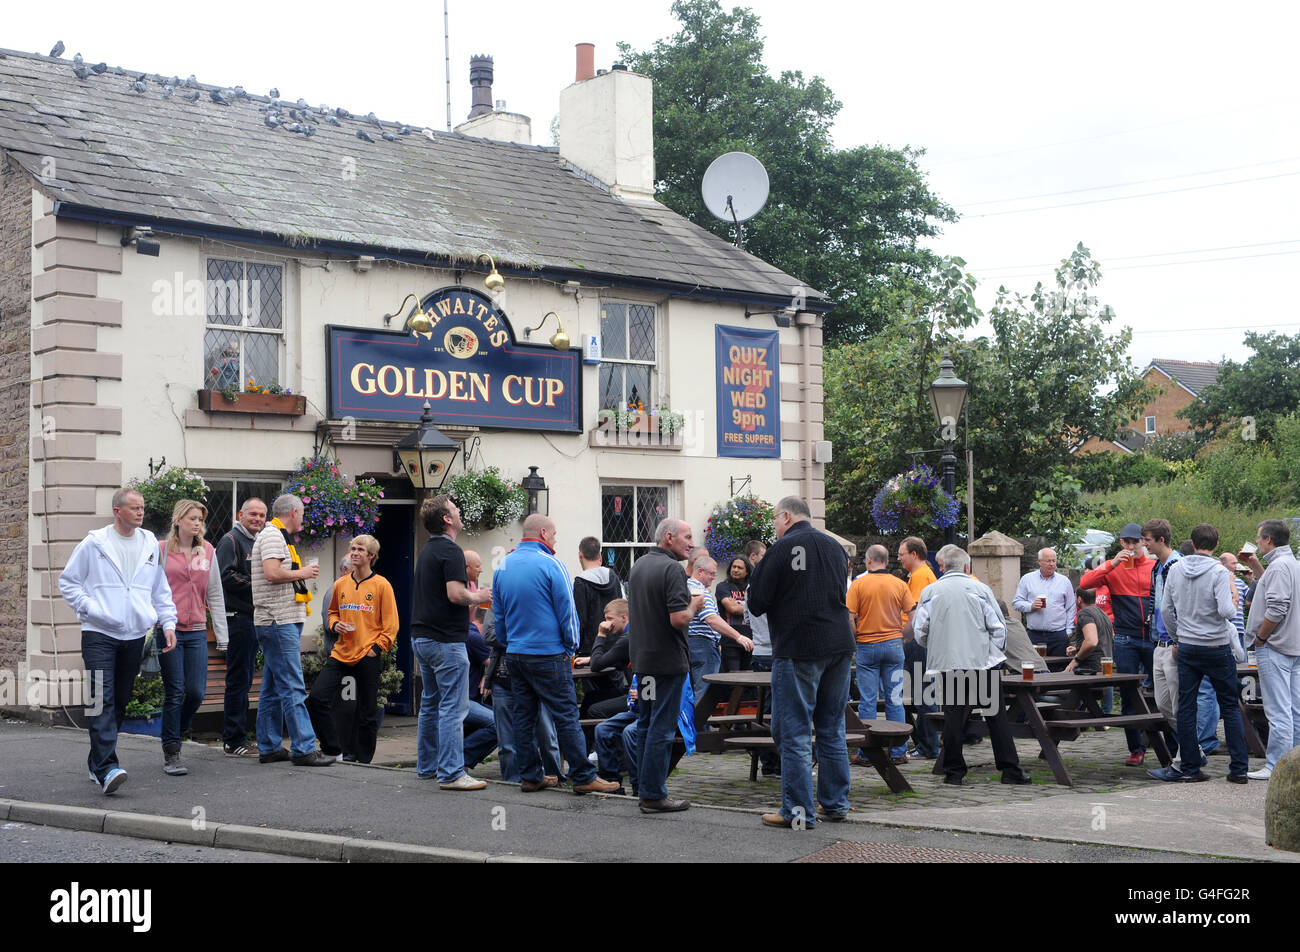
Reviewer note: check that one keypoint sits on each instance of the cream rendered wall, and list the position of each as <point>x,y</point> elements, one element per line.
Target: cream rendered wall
<point>163,368</point>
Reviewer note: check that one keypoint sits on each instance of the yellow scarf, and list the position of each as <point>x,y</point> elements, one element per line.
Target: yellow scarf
<point>301,594</point>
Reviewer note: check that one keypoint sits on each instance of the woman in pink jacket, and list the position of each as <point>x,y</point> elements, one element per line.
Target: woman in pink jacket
<point>196,587</point>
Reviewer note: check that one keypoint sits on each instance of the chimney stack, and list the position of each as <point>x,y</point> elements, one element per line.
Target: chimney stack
<point>586,62</point>
<point>480,81</point>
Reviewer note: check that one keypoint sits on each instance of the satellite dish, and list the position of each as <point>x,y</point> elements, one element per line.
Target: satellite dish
<point>735,187</point>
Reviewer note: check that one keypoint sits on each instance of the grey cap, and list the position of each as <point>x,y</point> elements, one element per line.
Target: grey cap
<point>1131,531</point>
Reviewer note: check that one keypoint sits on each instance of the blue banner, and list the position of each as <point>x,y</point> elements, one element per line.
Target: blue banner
<point>749,392</point>
<point>469,367</point>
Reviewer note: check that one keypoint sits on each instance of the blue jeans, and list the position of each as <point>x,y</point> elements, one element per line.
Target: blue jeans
<point>241,662</point>
<point>444,702</point>
<point>283,702</point>
<point>1207,716</point>
<point>811,695</point>
<point>706,658</point>
<point>480,734</point>
<point>880,667</point>
<point>656,727</point>
<point>1215,663</point>
<point>610,755</point>
<point>1132,656</point>
<point>185,681</point>
<point>1279,682</point>
<point>548,746</point>
<point>926,735</point>
<point>546,681</point>
<point>111,665</point>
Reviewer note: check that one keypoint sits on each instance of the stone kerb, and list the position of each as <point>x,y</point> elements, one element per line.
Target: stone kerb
<point>995,559</point>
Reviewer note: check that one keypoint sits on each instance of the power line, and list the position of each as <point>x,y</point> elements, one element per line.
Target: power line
<point>1158,254</point>
<point>1166,264</point>
<point>1098,188</point>
<point>1124,198</point>
<point>1226,327</point>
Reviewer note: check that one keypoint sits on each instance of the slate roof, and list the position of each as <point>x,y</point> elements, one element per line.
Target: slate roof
<point>222,169</point>
<point>1192,375</point>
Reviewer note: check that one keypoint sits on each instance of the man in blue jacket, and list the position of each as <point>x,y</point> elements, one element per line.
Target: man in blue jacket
<point>115,584</point>
<point>538,625</point>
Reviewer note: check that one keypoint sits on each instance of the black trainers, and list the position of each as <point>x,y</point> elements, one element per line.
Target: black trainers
<point>239,749</point>
<point>172,762</point>
<point>274,757</point>
<point>314,759</point>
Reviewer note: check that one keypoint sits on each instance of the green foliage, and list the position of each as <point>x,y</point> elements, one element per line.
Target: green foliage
<point>736,522</point>
<point>487,500</point>
<point>146,697</point>
<point>847,222</point>
<point>163,490</point>
<point>1244,476</point>
<point>1183,502</point>
<point>1266,386</point>
<point>1173,447</point>
<point>1059,512</point>
<point>1049,376</point>
<point>1102,472</point>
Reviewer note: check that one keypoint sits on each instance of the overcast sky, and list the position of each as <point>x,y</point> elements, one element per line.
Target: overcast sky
<point>1161,135</point>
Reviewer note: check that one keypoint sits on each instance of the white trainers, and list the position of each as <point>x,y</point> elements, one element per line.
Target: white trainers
<point>116,777</point>
<point>463,782</point>
<point>1263,773</point>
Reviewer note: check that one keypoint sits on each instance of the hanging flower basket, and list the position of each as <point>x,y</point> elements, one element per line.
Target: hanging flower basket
<point>735,522</point>
<point>163,490</point>
<point>913,503</point>
<point>334,504</point>
<point>487,500</point>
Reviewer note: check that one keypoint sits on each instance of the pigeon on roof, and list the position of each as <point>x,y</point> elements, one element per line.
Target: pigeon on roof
<point>342,113</point>
<point>80,72</point>
<point>240,93</point>
<point>362,134</point>
<point>404,131</point>
<point>173,82</point>
<point>274,93</point>
<point>272,120</point>
<point>374,120</point>
<point>99,68</point>
<point>292,127</point>
<point>192,97</point>
<point>78,61</point>
<point>333,121</point>
<point>191,82</point>
<point>138,86</point>
<point>220,96</point>
<point>388,136</point>
<point>302,103</point>
<point>58,49</point>
<point>168,89</point>
<point>308,130</point>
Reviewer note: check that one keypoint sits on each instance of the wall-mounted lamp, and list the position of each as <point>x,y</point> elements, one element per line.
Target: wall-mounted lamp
<point>559,340</point>
<point>493,282</point>
<point>142,237</point>
<point>426,454</point>
<point>783,317</point>
<point>539,496</point>
<point>418,322</point>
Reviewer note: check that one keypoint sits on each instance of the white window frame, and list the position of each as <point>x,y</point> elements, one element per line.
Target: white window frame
<point>244,326</point>
<point>1150,426</point>
<point>654,398</point>
<point>236,496</point>
<point>673,508</point>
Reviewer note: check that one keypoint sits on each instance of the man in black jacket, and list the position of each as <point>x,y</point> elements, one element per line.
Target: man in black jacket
<point>801,585</point>
<point>593,588</point>
<point>233,550</point>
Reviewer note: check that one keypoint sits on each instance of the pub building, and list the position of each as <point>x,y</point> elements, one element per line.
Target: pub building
<point>164,243</point>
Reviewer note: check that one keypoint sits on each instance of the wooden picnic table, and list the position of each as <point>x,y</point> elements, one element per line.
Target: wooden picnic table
<point>584,673</point>
<point>1080,711</point>
<point>1251,708</point>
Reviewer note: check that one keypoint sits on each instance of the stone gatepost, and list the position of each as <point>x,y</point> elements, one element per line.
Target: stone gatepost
<point>995,560</point>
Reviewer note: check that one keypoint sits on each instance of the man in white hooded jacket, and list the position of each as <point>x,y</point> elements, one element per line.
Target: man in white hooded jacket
<point>117,587</point>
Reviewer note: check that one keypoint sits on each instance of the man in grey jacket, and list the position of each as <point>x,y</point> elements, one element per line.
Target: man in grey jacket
<point>1197,611</point>
<point>1274,627</point>
<point>958,622</point>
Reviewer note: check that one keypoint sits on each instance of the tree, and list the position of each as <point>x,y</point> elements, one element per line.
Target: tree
<point>846,222</point>
<point>1266,387</point>
<point>1049,376</point>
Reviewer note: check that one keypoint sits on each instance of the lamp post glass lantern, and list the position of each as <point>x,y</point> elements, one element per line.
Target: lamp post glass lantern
<point>539,496</point>
<point>947,397</point>
<point>426,454</point>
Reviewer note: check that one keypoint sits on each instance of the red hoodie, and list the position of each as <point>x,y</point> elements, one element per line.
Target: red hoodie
<point>1130,593</point>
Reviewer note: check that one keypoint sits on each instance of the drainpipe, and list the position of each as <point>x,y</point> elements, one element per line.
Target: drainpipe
<point>804,319</point>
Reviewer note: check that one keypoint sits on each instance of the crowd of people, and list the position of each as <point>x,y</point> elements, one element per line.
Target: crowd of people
<point>497,661</point>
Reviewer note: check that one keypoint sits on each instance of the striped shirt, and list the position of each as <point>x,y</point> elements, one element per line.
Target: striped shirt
<point>699,626</point>
<point>273,602</point>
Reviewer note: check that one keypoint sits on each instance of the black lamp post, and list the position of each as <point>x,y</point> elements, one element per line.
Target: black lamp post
<point>539,496</point>
<point>425,455</point>
<point>947,397</point>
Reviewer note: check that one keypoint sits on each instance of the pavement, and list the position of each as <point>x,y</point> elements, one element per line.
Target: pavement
<point>383,812</point>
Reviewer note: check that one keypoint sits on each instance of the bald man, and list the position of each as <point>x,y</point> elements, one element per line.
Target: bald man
<point>538,626</point>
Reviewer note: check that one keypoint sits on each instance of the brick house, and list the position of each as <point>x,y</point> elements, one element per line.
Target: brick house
<point>126,207</point>
<point>1178,382</point>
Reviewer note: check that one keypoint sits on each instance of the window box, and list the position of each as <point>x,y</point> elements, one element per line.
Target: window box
<point>286,404</point>
<point>635,431</point>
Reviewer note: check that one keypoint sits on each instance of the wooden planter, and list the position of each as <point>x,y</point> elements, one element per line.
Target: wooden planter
<point>641,433</point>
<point>287,404</point>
